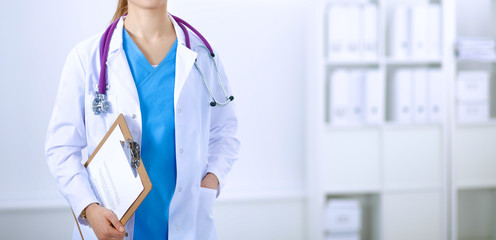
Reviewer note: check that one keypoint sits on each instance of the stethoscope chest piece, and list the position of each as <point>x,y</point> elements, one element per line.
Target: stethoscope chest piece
<point>100,104</point>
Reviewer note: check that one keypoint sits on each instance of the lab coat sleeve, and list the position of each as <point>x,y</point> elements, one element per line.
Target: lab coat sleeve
<point>66,137</point>
<point>223,144</point>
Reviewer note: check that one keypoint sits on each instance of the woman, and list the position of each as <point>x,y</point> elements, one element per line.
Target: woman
<point>188,147</point>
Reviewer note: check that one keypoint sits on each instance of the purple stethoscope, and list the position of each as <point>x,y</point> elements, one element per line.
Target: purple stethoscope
<point>101,104</point>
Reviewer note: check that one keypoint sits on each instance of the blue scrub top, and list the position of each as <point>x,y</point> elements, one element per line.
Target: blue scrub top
<point>156,95</point>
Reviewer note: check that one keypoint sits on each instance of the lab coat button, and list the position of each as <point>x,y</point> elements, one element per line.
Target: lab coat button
<point>180,189</point>
<point>133,116</point>
<point>178,228</point>
<point>179,110</point>
<point>181,150</point>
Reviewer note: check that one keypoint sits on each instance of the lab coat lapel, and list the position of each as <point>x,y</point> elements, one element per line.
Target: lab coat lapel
<point>118,71</point>
<point>185,59</point>
<point>118,68</point>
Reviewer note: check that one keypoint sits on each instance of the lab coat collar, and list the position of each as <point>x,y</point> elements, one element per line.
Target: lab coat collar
<point>116,41</point>
<point>185,57</point>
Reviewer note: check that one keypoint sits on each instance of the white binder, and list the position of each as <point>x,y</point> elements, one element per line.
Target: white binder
<point>400,32</point>
<point>402,96</point>
<point>336,32</point>
<point>420,95</point>
<point>436,93</point>
<point>351,24</point>
<point>356,96</point>
<point>419,31</point>
<point>374,90</point>
<point>339,97</point>
<point>369,31</point>
<point>434,31</point>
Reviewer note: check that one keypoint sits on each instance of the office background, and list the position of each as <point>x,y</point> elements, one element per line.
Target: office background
<point>412,176</point>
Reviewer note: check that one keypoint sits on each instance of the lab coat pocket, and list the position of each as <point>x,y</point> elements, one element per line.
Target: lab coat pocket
<point>205,222</point>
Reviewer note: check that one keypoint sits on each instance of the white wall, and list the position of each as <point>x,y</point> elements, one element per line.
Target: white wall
<point>262,46</point>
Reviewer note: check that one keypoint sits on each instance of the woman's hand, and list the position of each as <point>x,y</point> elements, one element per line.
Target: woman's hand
<point>210,181</point>
<point>104,222</point>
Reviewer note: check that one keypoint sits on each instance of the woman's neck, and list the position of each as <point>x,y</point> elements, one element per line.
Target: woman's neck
<point>148,24</point>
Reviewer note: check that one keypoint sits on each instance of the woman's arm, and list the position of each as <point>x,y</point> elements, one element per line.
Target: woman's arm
<point>223,145</point>
<point>66,137</point>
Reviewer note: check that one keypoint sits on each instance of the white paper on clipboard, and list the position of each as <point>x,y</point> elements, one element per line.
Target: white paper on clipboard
<point>112,178</point>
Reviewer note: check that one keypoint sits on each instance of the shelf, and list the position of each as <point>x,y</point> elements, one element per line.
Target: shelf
<point>388,61</point>
<point>384,126</point>
<point>352,63</point>
<point>357,191</point>
<point>331,128</point>
<point>487,124</point>
<point>469,61</point>
<point>470,187</point>
<point>392,61</point>
<point>407,189</point>
<point>400,126</point>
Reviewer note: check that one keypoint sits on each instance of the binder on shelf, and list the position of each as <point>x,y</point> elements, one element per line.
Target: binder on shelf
<point>374,92</point>
<point>436,92</point>
<point>420,96</point>
<point>402,96</point>
<point>434,31</point>
<point>419,26</point>
<point>117,174</point>
<point>369,30</point>
<point>356,96</point>
<point>400,32</point>
<point>351,24</point>
<point>339,97</point>
<point>336,32</point>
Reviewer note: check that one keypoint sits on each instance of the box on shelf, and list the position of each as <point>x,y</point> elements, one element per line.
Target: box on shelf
<point>476,49</point>
<point>343,217</point>
<point>345,236</point>
<point>473,112</point>
<point>473,86</point>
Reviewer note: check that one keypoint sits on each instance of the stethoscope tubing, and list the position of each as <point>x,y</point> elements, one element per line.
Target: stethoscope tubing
<point>105,45</point>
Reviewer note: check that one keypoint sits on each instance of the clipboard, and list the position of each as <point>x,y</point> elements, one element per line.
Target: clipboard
<point>131,151</point>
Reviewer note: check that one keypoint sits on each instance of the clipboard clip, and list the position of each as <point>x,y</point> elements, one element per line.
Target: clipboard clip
<point>132,150</point>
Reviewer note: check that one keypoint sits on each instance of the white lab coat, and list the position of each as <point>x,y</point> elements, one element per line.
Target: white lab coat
<point>205,136</point>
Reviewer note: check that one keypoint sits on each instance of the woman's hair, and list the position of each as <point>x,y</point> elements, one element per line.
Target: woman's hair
<point>120,11</point>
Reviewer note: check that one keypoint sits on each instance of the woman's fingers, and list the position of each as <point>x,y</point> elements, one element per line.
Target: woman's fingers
<point>115,222</point>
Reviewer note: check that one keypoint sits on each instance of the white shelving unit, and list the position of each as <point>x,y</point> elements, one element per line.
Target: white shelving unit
<point>398,171</point>
<point>474,188</point>
<point>417,181</point>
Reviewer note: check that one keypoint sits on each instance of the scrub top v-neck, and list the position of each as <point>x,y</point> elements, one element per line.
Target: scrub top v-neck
<point>155,87</point>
